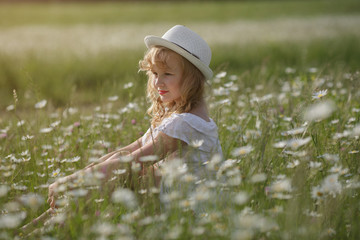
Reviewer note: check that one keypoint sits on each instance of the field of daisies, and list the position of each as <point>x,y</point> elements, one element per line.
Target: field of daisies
<point>287,106</point>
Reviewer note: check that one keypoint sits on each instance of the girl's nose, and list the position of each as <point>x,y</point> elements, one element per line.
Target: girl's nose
<point>158,81</point>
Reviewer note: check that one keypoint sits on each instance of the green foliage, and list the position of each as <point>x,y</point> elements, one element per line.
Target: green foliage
<point>282,176</point>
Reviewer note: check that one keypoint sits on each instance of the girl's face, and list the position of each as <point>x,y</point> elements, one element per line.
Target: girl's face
<point>167,81</point>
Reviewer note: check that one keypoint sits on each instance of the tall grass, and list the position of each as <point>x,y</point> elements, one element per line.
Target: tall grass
<point>278,188</point>
<point>289,171</point>
<point>64,79</point>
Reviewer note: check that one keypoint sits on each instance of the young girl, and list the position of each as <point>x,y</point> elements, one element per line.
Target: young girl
<point>177,66</point>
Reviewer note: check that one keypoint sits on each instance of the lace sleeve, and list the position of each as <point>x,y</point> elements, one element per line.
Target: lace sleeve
<point>176,127</point>
<point>185,130</point>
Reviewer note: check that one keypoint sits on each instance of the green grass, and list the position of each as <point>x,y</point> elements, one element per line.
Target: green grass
<point>244,121</point>
<point>72,80</point>
<point>83,119</point>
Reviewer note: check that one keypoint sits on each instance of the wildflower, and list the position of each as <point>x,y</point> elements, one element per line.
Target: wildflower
<point>103,229</point>
<point>255,222</point>
<point>34,201</point>
<point>296,143</point>
<point>330,232</point>
<point>113,98</point>
<point>319,94</point>
<point>330,157</point>
<point>241,198</point>
<point>280,144</point>
<point>124,196</point>
<point>228,164</point>
<point>201,194</point>
<point>173,170</point>
<point>46,130</point>
<point>72,110</point>
<point>99,200</point>
<point>259,177</point>
<point>80,192</point>
<point>339,170</point>
<point>55,124</point>
<point>197,143</point>
<point>331,185</point>
<point>11,220</point>
<point>309,213</point>
<point>26,137</point>
<point>281,185</point>
<point>296,154</point>
<point>133,121</point>
<point>315,164</point>
<point>74,159</point>
<point>319,111</point>
<point>149,158</point>
<point>10,108</point>
<point>41,104</point>
<point>293,164</point>
<point>58,218</point>
<point>242,151</point>
<point>3,135</point>
<point>293,131</point>
<point>214,162</point>
<point>187,203</point>
<point>135,167</point>
<point>125,159</point>
<point>290,70</point>
<point>353,151</point>
<point>20,123</point>
<point>55,173</point>
<point>312,70</point>
<point>221,75</point>
<point>198,231</point>
<point>119,171</point>
<point>128,85</point>
<point>276,210</point>
<point>3,190</point>
<point>187,178</point>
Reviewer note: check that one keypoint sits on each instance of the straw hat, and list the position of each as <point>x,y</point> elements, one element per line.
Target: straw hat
<point>188,44</point>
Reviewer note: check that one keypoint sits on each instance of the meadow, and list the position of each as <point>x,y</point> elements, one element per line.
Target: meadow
<point>285,96</point>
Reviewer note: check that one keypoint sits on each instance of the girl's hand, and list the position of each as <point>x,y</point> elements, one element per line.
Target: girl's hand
<point>52,194</point>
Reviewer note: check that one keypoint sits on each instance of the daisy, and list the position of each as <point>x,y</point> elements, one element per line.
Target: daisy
<point>242,150</point>
<point>197,143</point>
<point>55,173</point>
<point>319,94</point>
<point>319,111</point>
<point>41,104</point>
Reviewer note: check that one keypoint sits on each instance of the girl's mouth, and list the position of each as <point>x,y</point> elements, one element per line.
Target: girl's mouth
<point>161,92</point>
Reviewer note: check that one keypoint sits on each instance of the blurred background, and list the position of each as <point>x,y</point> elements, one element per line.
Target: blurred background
<point>81,52</point>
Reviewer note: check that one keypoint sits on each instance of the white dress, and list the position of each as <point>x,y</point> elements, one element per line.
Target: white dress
<point>192,130</point>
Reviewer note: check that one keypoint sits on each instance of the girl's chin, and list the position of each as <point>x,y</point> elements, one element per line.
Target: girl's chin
<point>167,99</point>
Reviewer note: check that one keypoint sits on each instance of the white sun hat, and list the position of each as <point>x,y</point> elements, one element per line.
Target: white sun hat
<point>188,44</point>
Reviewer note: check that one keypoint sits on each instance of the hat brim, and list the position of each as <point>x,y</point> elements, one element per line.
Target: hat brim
<point>151,41</point>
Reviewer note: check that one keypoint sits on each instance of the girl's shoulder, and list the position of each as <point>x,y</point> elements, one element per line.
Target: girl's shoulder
<point>188,121</point>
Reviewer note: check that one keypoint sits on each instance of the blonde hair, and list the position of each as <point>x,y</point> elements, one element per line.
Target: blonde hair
<point>192,86</point>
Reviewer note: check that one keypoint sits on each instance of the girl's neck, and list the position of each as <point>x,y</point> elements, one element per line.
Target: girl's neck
<point>201,111</point>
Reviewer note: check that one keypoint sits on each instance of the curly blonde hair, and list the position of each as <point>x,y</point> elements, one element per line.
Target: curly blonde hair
<point>192,85</point>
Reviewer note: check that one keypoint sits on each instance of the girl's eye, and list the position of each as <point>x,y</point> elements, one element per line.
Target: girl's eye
<point>168,74</point>
<point>155,73</point>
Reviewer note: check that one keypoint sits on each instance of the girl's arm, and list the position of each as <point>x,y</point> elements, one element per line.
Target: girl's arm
<point>161,146</point>
<point>128,149</point>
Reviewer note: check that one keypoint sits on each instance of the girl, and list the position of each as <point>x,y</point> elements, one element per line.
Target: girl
<point>177,66</point>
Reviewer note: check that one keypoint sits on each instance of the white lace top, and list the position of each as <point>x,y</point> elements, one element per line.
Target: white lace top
<point>193,130</point>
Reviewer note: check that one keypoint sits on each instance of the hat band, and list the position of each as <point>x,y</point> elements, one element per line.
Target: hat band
<point>186,50</point>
